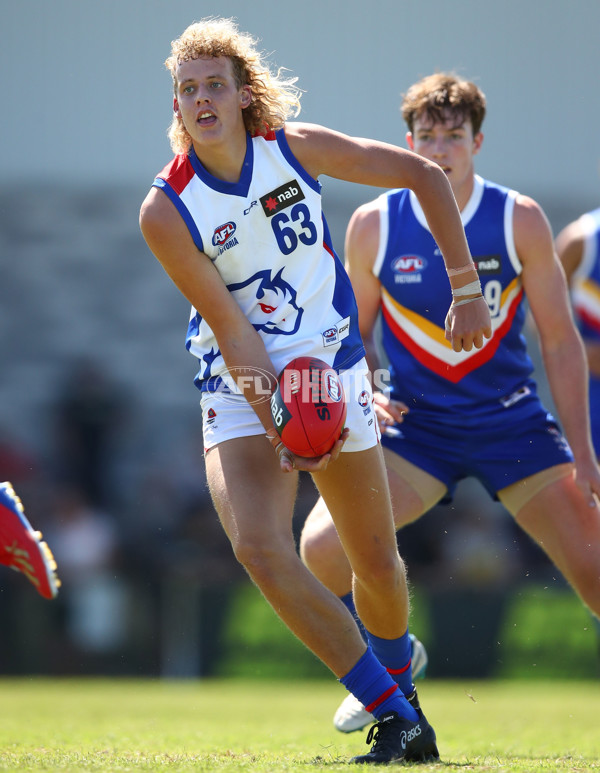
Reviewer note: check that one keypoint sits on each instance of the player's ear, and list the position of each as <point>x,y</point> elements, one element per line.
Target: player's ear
<point>176,106</point>
<point>477,142</point>
<point>245,96</point>
<point>409,140</point>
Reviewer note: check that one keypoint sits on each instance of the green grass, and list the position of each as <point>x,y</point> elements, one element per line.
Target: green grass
<point>231,725</point>
<point>540,629</point>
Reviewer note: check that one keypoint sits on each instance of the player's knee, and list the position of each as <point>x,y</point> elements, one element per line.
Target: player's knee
<point>383,571</point>
<point>587,577</point>
<point>319,536</point>
<point>317,543</point>
<point>261,561</point>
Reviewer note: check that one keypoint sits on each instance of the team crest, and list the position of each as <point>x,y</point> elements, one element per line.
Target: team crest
<point>276,311</point>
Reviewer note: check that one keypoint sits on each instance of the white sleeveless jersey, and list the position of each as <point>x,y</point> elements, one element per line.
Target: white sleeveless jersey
<point>267,237</point>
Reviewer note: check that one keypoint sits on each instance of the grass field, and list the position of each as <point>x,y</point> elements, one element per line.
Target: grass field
<point>112,725</point>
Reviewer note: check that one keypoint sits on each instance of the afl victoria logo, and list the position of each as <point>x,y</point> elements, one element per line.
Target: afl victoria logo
<point>222,233</point>
<point>407,264</point>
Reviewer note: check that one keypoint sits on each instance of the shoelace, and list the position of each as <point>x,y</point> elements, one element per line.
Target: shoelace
<point>377,733</point>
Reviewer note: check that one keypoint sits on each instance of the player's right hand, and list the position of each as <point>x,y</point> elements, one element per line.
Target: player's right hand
<point>289,462</point>
<point>467,325</point>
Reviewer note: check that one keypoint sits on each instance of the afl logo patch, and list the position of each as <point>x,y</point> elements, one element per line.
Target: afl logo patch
<point>330,336</point>
<point>364,399</point>
<point>222,233</point>
<point>407,264</point>
<point>333,387</point>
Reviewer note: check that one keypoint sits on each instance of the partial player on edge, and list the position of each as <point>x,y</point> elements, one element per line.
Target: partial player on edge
<point>22,548</point>
<point>578,247</point>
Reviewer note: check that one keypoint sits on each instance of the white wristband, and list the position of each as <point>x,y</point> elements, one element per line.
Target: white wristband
<point>470,289</point>
<point>461,270</point>
<point>466,300</point>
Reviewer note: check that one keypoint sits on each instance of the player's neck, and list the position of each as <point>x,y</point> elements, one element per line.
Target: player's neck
<point>223,160</point>
<point>464,191</point>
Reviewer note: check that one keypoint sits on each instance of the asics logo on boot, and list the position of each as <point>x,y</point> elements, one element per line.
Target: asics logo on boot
<point>413,733</point>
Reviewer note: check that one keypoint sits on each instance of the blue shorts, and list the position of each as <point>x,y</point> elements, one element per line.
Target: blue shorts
<point>498,448</point>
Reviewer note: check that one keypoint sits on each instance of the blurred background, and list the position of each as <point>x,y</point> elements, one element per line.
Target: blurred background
<point>100,427</point>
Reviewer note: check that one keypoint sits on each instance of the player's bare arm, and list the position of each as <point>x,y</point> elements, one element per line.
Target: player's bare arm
<point>368,162</point>
<point>562,349</point>
<point>570,244</point>
<point>198,280</point>
<point>362,246</point>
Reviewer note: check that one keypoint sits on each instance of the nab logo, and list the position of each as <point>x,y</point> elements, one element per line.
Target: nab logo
<point>281,198</point>
<point>407,264</point>
<point>364,399</point>
<point>222,233</point>
<point>488,264</point>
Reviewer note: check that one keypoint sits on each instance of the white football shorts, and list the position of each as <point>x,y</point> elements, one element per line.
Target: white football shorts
<point>226,416</point>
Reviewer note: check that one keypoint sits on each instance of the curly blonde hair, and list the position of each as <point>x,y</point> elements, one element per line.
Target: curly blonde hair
<point>443,93</point>
<point>274,98</point>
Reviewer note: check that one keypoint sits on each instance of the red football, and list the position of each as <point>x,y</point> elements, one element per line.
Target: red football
<point>309,406</point>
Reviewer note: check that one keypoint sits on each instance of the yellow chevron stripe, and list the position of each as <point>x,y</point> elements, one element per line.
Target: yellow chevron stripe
<point>431,337</point>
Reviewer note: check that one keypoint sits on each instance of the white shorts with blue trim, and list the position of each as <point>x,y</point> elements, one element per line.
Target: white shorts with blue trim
<point>226,416</point>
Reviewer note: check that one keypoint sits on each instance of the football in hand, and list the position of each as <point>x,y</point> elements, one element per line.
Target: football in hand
<point>309,406</point>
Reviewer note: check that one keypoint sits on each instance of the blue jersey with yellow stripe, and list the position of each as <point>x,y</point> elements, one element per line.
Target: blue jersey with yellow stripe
<point>426,373</point>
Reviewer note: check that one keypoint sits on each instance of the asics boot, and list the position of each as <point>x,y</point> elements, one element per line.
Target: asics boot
<point>396,738</point>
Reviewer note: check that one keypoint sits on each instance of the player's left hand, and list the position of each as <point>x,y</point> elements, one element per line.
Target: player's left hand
<point>388,412</point>
<point>467,325</point>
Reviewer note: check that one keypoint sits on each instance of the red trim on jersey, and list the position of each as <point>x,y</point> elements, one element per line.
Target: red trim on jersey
<point>378,701</point>
<point>399,670</point>
<point>454,373</point>
<point>588,318</point>
<point>178,173</point>
<point>266,133</point>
